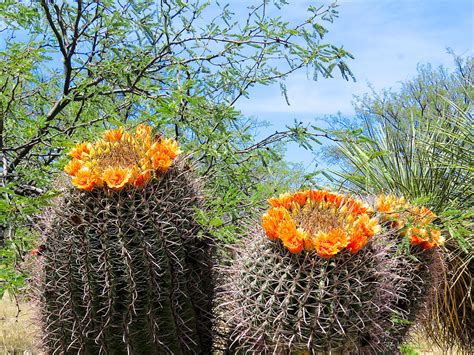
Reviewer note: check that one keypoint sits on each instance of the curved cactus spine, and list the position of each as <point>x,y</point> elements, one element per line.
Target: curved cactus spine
<point>128,270</point>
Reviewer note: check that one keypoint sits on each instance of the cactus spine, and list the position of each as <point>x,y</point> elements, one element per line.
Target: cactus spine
<point>128,270</point>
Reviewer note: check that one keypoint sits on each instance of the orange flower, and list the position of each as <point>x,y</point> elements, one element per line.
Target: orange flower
<point>270,223</point>
<point>296,242</point>
<point>411,221</point>
<point>81,150</point>
<point>427,238</point>
<point>286,229</point>
<point>113,135</point>
<point>272,219</point>
<point>275,201</point>
<point>390,205</point>
<point>435,239</point>
<point>142,179</point>
<point>143,130</point>
<point>107,157</point>
<point>422,215</point>
<point>331,243</point>
<point>317,195</point>
<point>367,226</point>
<point>357,242</point>
<point>335,218</point>
<point>84,179</point>
<point>117,178</point>
<point>35,252</point>
<point>73,167</point>
<point>301,198</point>
<point>358,208</point>
<point>145,163</point>
<point>398,225</point>
<point>170,147</point>
<point>333,198</point>
<point>161,162</point>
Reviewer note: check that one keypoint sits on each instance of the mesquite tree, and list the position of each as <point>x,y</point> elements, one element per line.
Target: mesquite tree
<point>68,68</point>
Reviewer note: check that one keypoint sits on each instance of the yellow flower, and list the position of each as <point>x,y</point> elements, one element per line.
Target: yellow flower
<point>116,178</point>
<point>143,130</point>
<point>331,243</point>
<point>320,220</point>
<point>113,135</point>
<point>81,150</point>
<point>73,167</point>
<point>84,179</point>
<point>123,159</point>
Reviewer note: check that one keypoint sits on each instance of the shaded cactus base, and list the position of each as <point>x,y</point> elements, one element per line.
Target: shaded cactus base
<point>278,302</point>
<point>127,272</point>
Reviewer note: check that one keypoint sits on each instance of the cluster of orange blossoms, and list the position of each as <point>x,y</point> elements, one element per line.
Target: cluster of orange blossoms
<point>120,159</point>
<point>412,221</point>
<point>319,220</point>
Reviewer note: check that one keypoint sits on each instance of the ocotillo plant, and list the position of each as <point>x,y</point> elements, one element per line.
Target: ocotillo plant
<point>321,275</point>
<point>126,268</point>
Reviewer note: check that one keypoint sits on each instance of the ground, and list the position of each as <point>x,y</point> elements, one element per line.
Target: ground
<point>17,331</point>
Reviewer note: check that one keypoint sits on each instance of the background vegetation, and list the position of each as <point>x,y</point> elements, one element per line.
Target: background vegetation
<point>70,69</point>
<point>418,142</point>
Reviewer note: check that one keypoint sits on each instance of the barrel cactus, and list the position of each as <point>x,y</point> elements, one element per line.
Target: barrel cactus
<point>321,274</point>
<point>125,267</point>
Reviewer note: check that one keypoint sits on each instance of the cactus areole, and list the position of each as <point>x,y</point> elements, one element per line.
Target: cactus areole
<point>323,273</point>
<point>127,269</point>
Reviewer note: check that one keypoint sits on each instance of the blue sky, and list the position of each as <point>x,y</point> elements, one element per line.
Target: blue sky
<point>388,39</point>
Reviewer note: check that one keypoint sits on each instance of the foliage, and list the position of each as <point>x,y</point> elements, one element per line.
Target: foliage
<point>68,69</point>
<point>412,140</point>
<point>408,349</point>
<point>418,142</point>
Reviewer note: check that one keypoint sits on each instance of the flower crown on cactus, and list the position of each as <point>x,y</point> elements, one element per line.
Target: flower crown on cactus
<point>120,159</point>
<point>329,222</point>
<point>319,220</point>
<point>414,222</point>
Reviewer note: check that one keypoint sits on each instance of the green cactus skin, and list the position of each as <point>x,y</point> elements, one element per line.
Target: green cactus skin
<point>128,271</point>
<point>281,303</point>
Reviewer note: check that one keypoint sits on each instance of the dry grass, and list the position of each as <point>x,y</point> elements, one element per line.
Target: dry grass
<point>421,344</point>
<point>16,333</point>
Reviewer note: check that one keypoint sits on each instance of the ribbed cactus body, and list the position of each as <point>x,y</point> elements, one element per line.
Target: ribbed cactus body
<point>278,302</point>
<point>128,271</point>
